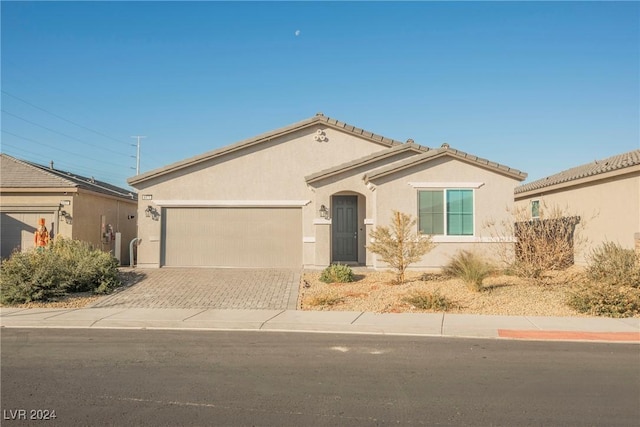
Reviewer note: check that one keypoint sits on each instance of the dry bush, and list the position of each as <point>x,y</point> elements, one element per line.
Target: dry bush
<point>598,299</point>
<point>610,263</point>
<point>325,300</point>
<point>470,267</point>
<point>429,301</point>
<point>399,245</point>
<point>541,244</point>
<point>614,283</point>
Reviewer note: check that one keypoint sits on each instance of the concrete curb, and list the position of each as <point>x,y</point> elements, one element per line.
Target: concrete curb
<point>414,324</point>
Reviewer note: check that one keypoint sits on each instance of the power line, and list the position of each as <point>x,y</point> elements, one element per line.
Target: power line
<point>59,149</point>
<point>62,118</point>
<point>60,133</point>
<point>105,175</point>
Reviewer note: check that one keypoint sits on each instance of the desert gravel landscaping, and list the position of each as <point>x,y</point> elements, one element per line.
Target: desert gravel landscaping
<point>372,291</point>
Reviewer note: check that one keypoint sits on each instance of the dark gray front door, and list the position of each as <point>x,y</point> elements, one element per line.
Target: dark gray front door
<point>344,227</point>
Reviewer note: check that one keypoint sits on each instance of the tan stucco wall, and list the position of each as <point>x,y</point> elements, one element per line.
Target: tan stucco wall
<point>87,221</point>
<point>491,202</point>
<point>272,170</point>
<point>85,210</point>
<point>609,211</point>
<point>276,170</point>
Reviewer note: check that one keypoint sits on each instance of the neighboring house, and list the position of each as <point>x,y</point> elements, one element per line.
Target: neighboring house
<point>309,194</point>
<point>73,206</point>
<point>605,194</point>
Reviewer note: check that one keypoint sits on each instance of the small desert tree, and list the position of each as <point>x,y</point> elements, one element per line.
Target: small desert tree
<point>399,245</point>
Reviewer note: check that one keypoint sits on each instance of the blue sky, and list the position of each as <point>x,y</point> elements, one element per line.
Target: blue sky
<point>540,87</point>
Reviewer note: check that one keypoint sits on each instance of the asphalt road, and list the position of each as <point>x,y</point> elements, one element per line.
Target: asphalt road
<point>144,377</point>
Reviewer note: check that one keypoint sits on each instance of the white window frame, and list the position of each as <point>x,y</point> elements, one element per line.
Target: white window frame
<point>444,238</point>
<point>531,208</point>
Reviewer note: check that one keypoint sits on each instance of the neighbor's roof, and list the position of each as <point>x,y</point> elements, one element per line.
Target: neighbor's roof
<point>597,167</point>
<point>315,120</point>
<point>21,174</point>
<point>446,150</point>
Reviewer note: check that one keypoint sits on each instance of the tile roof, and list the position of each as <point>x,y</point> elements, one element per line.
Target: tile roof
<point>592,169</point>
<point>446,150</point>
<point>15,173</point>
<point>319,118</point>
<point>379,155</point>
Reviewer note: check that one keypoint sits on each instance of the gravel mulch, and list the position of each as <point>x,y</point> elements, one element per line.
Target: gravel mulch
<point>78,300</point>
<point>373,291</point>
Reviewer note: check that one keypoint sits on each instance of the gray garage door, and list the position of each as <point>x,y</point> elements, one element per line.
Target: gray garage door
<point>232,237</point>
<point>17,228</point>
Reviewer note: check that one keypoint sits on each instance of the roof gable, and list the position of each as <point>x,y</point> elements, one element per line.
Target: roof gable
<point>17,173</point>
<point>241,145</point>
<point>619,162</point>
<point>443,151</point>
<point>363,161</point>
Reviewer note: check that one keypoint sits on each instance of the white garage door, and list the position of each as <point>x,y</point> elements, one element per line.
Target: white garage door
<point>232,237</point>
<point>17,230</point>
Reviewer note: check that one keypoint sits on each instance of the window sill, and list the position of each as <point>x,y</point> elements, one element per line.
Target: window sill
<point>471,239</point>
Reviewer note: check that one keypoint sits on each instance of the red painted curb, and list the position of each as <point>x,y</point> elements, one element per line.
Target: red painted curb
<point>569,335</point>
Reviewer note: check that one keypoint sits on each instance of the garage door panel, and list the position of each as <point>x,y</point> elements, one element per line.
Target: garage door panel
<point>232,237</point>
<point>17,229</point>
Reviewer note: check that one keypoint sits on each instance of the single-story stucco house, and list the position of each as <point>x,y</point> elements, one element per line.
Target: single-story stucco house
<point>604,194</point>
<point>73,206</point>
<point>309,194</point>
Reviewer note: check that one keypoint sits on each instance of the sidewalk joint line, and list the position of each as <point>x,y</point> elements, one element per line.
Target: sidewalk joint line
<point>532,322</point>
<point>62,312</point>
<point>200,312</point>
<point>442,324</point>
<point>354,320</point>
<point>270,319</point>
<point>106,317</point>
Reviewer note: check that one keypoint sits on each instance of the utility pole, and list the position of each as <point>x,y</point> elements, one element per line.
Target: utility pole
<point>138,154</point>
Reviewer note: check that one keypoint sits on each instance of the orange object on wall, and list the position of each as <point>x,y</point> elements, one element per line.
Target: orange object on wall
<point>41,237</point>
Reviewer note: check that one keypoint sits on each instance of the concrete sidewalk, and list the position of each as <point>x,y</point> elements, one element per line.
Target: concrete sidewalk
<point>419,324</point>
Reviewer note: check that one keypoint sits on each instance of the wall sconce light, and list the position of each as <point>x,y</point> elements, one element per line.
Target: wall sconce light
<point>324,212</point>
<point>152,213</point>
<point>66,216</point>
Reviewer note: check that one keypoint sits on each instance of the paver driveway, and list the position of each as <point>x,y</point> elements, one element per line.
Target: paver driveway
<point>275,289</point>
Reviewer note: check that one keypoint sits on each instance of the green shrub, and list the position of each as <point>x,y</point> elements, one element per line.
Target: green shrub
<point>30,276</point>
<point>337,273</point>
<point>606,300</point>
<point>64,266</point>
<point>469,267</point>
<point>429,301</point>
<point>613,265</point>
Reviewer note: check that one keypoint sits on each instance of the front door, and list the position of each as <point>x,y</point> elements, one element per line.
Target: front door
<point>344,226</point>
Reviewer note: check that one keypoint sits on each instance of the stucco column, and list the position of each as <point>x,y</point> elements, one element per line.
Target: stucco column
<point>323,241</point>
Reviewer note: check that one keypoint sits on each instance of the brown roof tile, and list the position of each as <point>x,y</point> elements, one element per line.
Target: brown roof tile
<point>15,173</point>
<point>379,155</point>
<point>597,167</point>
<point>317,119</point>
<point>446,151</point>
